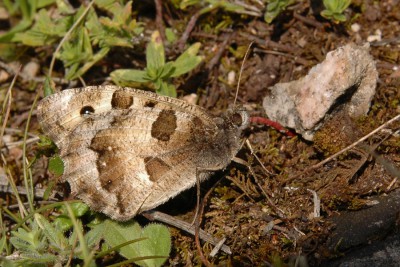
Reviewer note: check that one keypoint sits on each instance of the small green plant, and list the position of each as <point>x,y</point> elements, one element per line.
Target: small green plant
<point>64,240</point>
<point>229,6</point>
<point>158,73</point>
<point>89,42</point>
<point>224,21</point>
<point>334,10</point>
<point>274,8</point>
<point>27,10</point>
<point>41,242</point>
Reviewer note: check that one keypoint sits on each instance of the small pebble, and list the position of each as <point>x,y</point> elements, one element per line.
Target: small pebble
<point>355,27</point>
<point>231,77</point>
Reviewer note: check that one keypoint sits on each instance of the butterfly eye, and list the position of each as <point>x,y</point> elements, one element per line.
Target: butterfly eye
<point>87,110</point>
<point>240,119</point>
<point>237,119</point>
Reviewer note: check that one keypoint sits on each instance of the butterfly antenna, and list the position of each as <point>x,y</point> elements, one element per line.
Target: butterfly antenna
<point>241,71</point>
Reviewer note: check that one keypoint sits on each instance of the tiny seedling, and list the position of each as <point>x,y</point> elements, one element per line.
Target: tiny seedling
<point>334,10</point>
<point>274,8</point>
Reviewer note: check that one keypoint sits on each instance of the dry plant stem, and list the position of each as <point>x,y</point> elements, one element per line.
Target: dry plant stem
<point>278,211</point>
<point>197,228</point>
<point>28,180</point>
<point>14,187</point>
<point>71,254</point>
<point>268,43</point>
<point>357,142</point>
<point>7,108</point>
<point>82,81</point>
<point>389,166</point>
<point>6,188</point>
<point>296,59</point>
<point>77,228</point>
<point>217,55</point>
<point>25,77</point>
<point>391,184</point>
<point>217,247</point>
<point>256,157</point>
<point>18,143</point>
<point>317,203</point>
<point>251,10</point>
<point>308,21</point>
<point>26,204</point>
<point>241,71</point>
<point>187,227</point>
<point>197,197</point>
<point>159,19</point>
<point>181,43</point>
<point>67,35</point>
<point>383,42</point>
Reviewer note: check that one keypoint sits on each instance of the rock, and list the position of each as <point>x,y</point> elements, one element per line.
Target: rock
<point>345,80</point>
<point>31,69</point>
<point>368,237</point>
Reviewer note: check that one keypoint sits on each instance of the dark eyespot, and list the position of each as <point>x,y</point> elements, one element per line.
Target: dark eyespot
<point>87,110</point>
<point>150,104</point>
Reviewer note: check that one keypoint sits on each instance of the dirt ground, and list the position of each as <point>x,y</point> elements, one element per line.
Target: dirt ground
<point>265,207</point>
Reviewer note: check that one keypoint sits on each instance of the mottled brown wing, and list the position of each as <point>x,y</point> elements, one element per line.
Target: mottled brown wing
<point>126,150</point>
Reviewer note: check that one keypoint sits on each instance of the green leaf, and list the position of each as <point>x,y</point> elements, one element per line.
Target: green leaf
<point>115,31</point>
<point>55,236</point>
<point>93,237</point>
<point>105,4</point>
<point>48,87</point>
<point>166,89</point>
<point>90,62</point>
<point>155,56</point>
<point>56,166</point>
<point>49,189</point>
<point>334,10</point>
<point>46,145</point>
<point>75,52</point>
<point>327,14</point>
<point>129,75</point>
<point>166,71</point>
<point>78,209</point>
<point>35,259</point>
<point>152,73</point>
<point>274,8</point>
<point>187,61</point>
<point>3,243</point>
<point>63,223</point>
<point>29,241</point>
<point>117,233</point>
<point>170,35</point>
<point>158,242</point>
<point>64,7</point>
<point>7,263</point>
<point>45,31</point>
<point>339,17</point>
<point>43,3</point>
<point>21,26</point>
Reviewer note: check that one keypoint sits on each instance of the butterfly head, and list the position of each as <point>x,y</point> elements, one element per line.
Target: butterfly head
<point>236,119</point>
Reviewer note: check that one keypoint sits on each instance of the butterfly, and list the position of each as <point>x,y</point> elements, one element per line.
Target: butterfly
<point>126,150</point>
